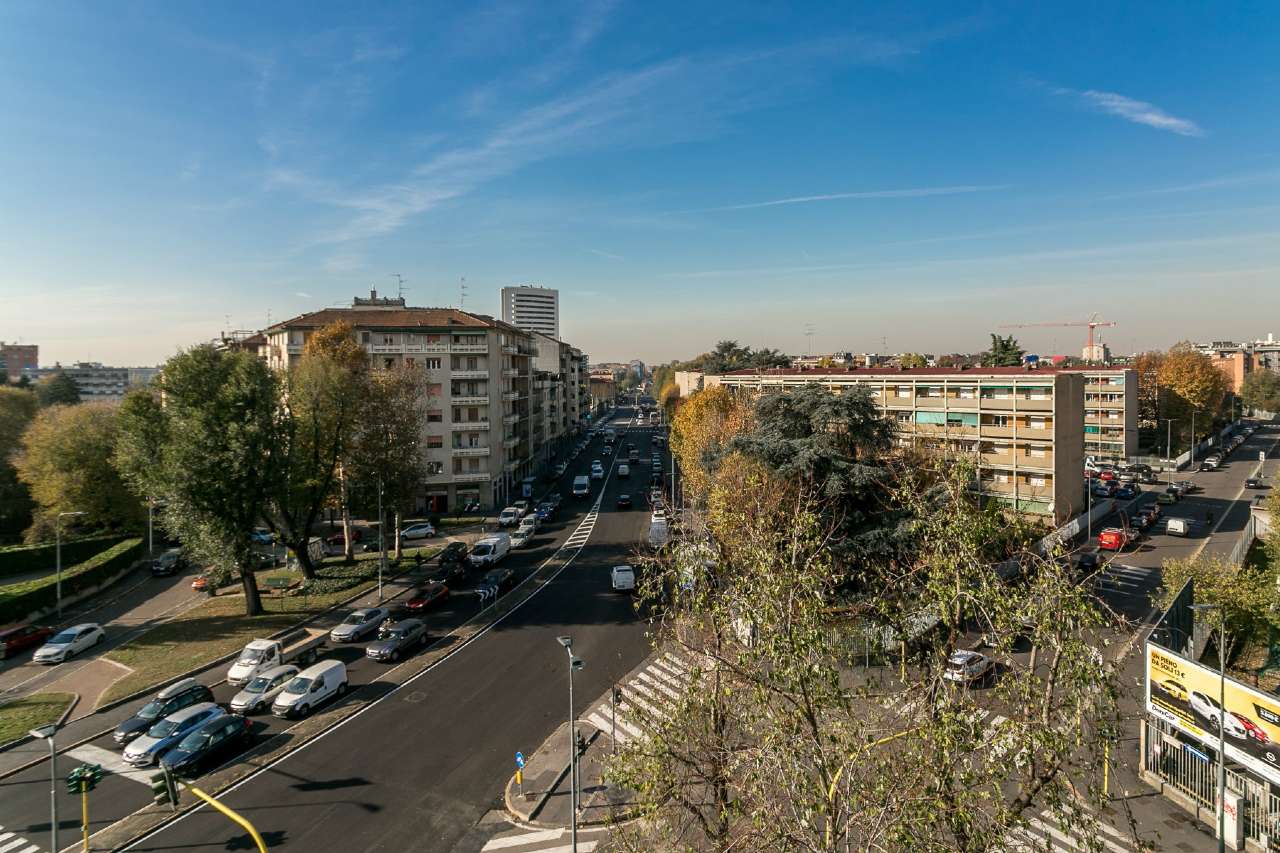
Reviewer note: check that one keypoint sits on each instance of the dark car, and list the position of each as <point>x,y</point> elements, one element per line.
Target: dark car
<point>396,639</point>
<point>454,552</point>
<point>449,573</point>
<point>168,563</point>
<point>546,511</point>
<point>1086,562</point>
<point>15,639</point>
<point>426,597</point>
<point>209,745</point>
<point>1253,483</point>
<point>499,579</point>
<point>1126,492</point>
<point>624,501</point>
<point>174,698</point>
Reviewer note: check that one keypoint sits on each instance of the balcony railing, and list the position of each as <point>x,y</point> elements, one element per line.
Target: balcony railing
<point>473,477</point>
<point>510,372</point>
<point>468,426</point>
<point>469,374</point>
<point>510,420</point>
<point>470,348</point>
<point>482,400</point>
<point>470,451</point>
<point>510,396</point>
<point>510,349</point>
<point>510,443</point>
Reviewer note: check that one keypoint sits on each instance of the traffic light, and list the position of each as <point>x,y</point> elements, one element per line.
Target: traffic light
<point>617,695</point>
<point>163,789</point>
<point>84,779</point>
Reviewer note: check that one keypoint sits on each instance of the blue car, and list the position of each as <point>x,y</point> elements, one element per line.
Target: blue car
<point>546,511</point>
<point>262,536</point>
<point>1126,492</point>
<point>208,746</point>
<point>164,735</point>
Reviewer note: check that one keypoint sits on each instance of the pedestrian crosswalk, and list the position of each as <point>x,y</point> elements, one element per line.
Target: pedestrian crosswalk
<point>111,762</point>
<point>582,533</point>
<point>1044,832</point>
<point>649,691</point>
<point>11,842</point>
<point>1128,580</point>
<point>528,840</point>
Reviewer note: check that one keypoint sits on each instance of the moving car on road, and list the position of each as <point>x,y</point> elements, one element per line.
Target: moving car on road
<point>309,688</point>
<point>499,579</point>
<point>172,699</point>
<point>597,470</point>
<point>418,531</point>
<point>624,471</point>
<point>1115,539</point>
<point>16,638</point>
<point>168,563</point>
<point>509,517</point>
<point>1178,526</point>
<point>70,642</point>
<point>1168,497</point>
<point>208,746</point>
<point>522,506</point>
<point>622,578</point>
<point>426,597</point>
<point>624,502</point>
<point>581,487</point>
<point>1253,483</point>
<point>454,552</point>
<point>262,689</point>
<point>259,656</point>
<point>359,624</point>
<point>965,666</point>
<point>164,734</point>
<point>489,550</point>
<point>397,640</point>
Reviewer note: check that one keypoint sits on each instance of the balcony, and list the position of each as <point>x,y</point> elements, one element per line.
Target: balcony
<point>468,426</point>
<point>469,451</point>
<point>510,420</point>
<point>294,349</point>
<point>1024,405</point>
<point>510,372</point>
<point>469,374</point>
<point>510,349</point>
<point>481,347</point>
<point>510,443</point>
<point>471,401</point>
<point>473,477</point>
<point>511,396</point>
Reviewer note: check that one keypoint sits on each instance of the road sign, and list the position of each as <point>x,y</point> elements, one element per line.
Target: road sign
<point>520,760</point>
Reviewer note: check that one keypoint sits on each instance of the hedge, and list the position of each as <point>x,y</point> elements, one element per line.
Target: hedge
<point>23,559</point>
<point>21,599</point>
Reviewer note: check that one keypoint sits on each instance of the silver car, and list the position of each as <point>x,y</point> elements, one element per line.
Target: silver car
<point>165,734</point>
<point>359,624</point>
<point>397,639</point>
<point>258,693</point>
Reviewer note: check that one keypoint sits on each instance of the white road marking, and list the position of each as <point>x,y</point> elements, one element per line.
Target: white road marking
<point>112,763</point>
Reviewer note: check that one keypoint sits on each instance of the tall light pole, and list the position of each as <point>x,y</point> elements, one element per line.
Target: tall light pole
<point>1193,438</point>
<point>1168,446</point>
<point>1222,714</point>
<point>47,733</point>
<point>58,551</point>
<point>575,664</point>
<point>382,542</point>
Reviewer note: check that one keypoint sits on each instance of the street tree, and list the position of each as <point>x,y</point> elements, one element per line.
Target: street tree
<point>322,399</point>
<point>1261,390</point>
<point>65,461</point>
<point>699,431</point>
<point>1004,352</point>
<point>385,454</point>
<point>17,409</point>
<point>1147,365</point>
<point>1247,594</point>
<point>58,390</point>
<point>913,360</point>
<point>1191,386</point>
<point>207,451</point>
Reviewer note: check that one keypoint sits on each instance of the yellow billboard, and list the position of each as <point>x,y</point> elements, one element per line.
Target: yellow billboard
<point>1186,694</point>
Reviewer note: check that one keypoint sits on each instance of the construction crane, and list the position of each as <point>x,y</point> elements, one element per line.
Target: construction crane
<point>1093,323</point>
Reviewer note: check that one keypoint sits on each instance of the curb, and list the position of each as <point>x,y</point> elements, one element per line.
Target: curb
<point>531,820</point>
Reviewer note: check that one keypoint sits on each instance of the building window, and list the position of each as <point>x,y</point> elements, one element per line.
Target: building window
<point>1037,450</point>
<point>473,465</point>
<point>435,441</point>
<point>904,390</point>
<point>1000,477</point>
<point>434,389</point>
<point>387,340</point>
<point>435,468</point>
<point>930,391</point>
<point>431,363</point>
<point>966,392</point>
<point>435,416</point>
<point>388,363</point>
<point>1037,480</point>
<point>1037,422</point>
<point>1036,393</point>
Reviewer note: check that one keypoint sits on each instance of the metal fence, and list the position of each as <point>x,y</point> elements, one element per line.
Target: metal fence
<point>1241,549</point>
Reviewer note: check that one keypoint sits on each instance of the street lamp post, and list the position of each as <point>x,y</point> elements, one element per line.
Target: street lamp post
<point>1168,441</point>
<point>47,733</point>
<point>58,550</point>
<point>382,542</point>
<point>575,664</point>
<point>1222,713</point>
<point>1193,438</point>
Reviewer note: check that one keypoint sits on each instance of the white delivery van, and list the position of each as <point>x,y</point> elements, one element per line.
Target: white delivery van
<point>489,550</point>
<point>581,487</point>
<point>315,684</point>
<point>658,531</point>
<point>1178,526</point>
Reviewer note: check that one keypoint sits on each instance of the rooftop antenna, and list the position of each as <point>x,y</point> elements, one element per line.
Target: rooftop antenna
<point>808,333</point>
<point>462,293</point>
<point>399,284</point>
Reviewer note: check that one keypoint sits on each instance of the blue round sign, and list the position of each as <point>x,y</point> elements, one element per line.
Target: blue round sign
<point>519,759</point>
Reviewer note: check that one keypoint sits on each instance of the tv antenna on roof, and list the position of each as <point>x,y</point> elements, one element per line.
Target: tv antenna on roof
<point>462,293</point>
<point>399,284</point>
<point>808,333</point>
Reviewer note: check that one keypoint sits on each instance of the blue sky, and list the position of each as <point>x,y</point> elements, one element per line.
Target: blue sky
<point>901,178</point>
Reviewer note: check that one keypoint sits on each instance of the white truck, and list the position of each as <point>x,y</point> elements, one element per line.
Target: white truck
<point>260,656</point>
<point>489,550</point>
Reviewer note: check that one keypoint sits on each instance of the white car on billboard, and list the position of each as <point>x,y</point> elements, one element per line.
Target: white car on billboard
<point>1208,708</point>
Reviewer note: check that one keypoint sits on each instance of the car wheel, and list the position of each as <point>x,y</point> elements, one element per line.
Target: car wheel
<point>303,710</point>
<point>394,656</point>
<point>342,688</point>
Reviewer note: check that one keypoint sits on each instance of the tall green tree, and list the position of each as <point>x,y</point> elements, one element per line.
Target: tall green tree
<point>65,460</point>
<point>1192,388</point>
<point>207,451</point>
<point>17,409</point>
<point>58,390</point>
<point>1261,390</point>
<point>912,360</point>
<point>1004,352</point>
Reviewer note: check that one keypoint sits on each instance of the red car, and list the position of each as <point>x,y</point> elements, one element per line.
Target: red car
<point>1106,474</point>
<point>1254,730</point>
<point>200,582</point>
<point>337,540</point>
<point>426,597</point>
<point>18,637</point>
<point>1115,539</point>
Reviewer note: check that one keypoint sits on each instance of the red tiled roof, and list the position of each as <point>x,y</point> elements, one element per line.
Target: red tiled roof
<point>391,318</point>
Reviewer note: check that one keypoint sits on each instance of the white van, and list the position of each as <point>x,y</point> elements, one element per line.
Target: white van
<point>581,487</point>
<point>314,685</point>
<point>1177,526</point>
<point>489,550</point>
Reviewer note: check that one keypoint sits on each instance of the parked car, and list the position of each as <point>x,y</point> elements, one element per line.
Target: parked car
<point>1151,511</point>
<point>258,656</point>
<point>338,542</point>
<point>1168,496</point>
<point>426,597</point>
<point>1114,539</point>
<point>499,579</point>
<point>208,746</point>
<point>262,689</point>
<point>1253,483</point>
<point>622,578</point>
<point>1208,465</point>
<point>450,573</point>
<point>397,639</point>
<point>1107,474</point>
<point>509,517</point>
<point>309,688</point>
<point>174,698</point>
<point>68,643</point>
<point>1178,526</point>
<point>359,624</point>
<point>16,638</point>
<point>1104,489</point>
<point>624,502</point>
<point>624,471</point>
<point>522,506</point>
<point>546,511</point>
<point>418,531</point>
<point>147,749</point>
<point>1127,476</point>
<point>967,666</point>
<point>521,537</point>
<point>1185,487</point>
<point>168,563</point>
<point>454,552</point>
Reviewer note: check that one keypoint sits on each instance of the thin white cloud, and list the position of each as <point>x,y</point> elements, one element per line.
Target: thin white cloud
<point>1130,109</point>
<point>1228,181</point>
<point>913,192</point>
<point>610,255</point>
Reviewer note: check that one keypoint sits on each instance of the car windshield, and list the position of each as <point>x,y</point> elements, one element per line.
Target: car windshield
<point>354,618</point>
<point>251,656</point>
<point>258,685</point>
<point>299,685</point>
<point>195,740</point>
<point>164,728</point>
<point>481,550</point>
<point>63,637</point>
<point>151,710</point>
<point>397,632</point>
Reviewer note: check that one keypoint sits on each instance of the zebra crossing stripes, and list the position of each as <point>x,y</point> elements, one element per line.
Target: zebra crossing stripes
<point>1128,580</point>
<point>1042,832</point>
<point>582,533</point>
<point>649,691</point>
<point>11,842</point>
<point>526,840</point>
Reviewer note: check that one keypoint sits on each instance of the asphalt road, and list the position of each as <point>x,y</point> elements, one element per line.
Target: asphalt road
<point>418,769</point>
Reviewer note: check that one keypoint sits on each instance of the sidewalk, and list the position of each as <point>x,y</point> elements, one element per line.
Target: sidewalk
<point>544,798</point>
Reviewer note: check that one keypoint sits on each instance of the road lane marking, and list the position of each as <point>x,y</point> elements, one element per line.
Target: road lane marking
<point>527,838</point>
<point>110,762</point>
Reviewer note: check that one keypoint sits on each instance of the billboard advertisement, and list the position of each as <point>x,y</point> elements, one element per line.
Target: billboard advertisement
<point>1185,694</point>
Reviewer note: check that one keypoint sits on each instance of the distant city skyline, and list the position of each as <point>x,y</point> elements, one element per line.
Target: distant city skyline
<point>897,180</point>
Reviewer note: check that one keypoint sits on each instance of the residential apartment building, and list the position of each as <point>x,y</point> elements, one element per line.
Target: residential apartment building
<point>1110,413</point>
<point>98,381</point>
<point>1021,427</point>
<point>688,381</point>
<point>534,309</point>
<point>487,413</point>
<point>15,359</point>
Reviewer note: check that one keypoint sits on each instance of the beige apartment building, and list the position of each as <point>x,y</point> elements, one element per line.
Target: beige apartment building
<point>1022,427</point>
<point>1110,413</point>
<point>490,413</point>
